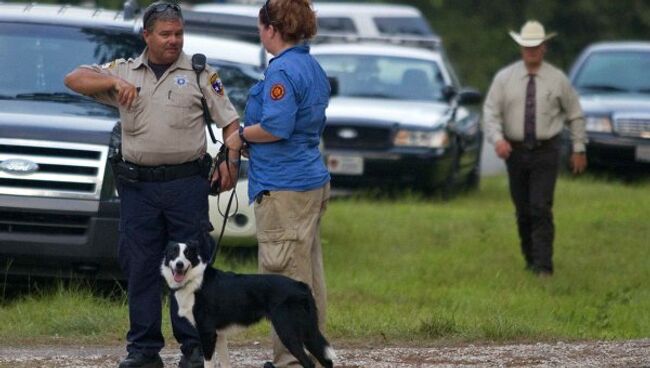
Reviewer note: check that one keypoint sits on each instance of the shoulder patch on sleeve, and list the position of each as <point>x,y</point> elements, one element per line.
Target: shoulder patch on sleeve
<point>111,65</point>
<point>277,91</point>
<point>216,84</point>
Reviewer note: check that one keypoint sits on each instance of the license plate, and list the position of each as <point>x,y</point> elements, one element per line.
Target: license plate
<point>345,165</point>
<point>643,153</point>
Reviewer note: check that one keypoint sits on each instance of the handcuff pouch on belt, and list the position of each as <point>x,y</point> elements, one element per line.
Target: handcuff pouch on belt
<point>115,151</point>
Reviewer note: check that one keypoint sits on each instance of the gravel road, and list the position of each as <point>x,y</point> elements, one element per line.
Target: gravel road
<point>634,353</point>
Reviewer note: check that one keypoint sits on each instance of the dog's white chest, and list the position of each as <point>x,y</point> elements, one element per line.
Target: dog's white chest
<point>185,302</point>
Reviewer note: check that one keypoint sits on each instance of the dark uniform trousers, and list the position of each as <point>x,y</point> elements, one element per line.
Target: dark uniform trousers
<point>153,213</point>
<point>532,172</point>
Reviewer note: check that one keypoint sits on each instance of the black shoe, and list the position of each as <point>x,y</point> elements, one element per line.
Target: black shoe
<point>194,360</point>
<point>544,274</point>
<point>141,360</point>
<point>268,365</point>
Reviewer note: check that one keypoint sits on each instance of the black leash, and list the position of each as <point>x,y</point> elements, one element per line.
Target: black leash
<point>225,215</point>
<point>198,65</point>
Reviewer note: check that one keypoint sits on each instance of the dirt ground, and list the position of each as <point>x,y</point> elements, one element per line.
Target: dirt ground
<point>634,353</point>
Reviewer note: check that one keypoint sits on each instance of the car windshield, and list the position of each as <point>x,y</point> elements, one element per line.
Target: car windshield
<point>615,71</point>
<point>379,76</point>
<point>35,58</point>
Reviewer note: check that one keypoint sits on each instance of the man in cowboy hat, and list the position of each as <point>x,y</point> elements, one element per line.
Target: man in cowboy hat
<point>524,113</point>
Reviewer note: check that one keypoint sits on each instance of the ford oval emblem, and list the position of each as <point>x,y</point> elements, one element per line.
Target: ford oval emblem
<point>18,166</point>
<point>347,133</point>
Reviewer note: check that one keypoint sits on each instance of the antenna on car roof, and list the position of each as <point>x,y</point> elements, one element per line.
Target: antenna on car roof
<point>131,8</point>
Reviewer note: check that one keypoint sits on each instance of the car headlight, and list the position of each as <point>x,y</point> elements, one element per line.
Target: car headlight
<point>420,138</point>
<point>600,124</point>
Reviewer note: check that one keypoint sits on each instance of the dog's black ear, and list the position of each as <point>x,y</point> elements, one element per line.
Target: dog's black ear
<point>193,244</point>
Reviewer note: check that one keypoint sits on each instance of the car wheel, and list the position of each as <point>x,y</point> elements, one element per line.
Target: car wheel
<point>450,186</point>
<point>474,177</point>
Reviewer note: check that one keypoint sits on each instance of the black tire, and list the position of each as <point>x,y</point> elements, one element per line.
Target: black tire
<point>474,178</point>
<point>451,185</point>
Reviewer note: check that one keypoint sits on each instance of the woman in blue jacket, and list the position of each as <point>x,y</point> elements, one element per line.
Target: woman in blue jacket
<point>288,181</point>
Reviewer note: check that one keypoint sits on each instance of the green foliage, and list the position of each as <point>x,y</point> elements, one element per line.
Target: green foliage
<point>415,270</point>
<point>475,32</point>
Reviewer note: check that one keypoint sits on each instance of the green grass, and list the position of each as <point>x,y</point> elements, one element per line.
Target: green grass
<point>415,270</point>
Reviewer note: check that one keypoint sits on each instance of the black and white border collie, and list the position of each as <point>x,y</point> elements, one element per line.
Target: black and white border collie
<point>218,302</point>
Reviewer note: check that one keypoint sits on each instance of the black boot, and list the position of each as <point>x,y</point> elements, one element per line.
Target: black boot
<point>193,360</point>
<point>141,360</point>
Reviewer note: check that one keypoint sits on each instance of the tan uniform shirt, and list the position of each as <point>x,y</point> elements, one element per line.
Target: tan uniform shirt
<point>556,103</point>
<point>165,124</point>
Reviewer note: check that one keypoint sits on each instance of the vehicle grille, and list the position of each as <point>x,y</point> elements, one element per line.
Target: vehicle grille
<point>633,127</point>
<point>65,170</point>
<point>43,223</point>
<point>363,138</point>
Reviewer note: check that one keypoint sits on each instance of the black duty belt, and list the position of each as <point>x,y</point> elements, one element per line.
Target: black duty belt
<point>164,172</point>
<point>538,144</point>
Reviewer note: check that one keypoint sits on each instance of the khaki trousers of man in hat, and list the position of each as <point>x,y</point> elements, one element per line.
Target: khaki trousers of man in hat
<point>288,233</point>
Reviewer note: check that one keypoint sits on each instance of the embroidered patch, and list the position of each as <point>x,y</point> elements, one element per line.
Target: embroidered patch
<point>112,64</point>
<point>181,80</point>
<point>216,84</point>
<point>277,91</point>
<point>108,65</point>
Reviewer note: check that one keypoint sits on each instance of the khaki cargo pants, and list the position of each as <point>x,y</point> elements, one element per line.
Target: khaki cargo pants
<point>288,233</point>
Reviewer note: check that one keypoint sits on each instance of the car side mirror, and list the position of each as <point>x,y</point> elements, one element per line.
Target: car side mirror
<point>448,92</point>
<point>334,86</point>
<point>469,96</point>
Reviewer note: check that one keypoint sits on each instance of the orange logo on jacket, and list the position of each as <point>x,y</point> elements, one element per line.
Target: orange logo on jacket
<point>277,91</point>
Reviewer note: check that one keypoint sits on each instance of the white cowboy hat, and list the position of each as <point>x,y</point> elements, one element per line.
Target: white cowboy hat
<point>532,34</point>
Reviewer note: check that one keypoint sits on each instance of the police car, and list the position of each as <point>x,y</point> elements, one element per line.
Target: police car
<point>59,208</point>
<point>398,118</point>
<point>611,79</point>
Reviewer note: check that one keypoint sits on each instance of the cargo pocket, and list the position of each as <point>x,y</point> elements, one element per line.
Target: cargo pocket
<point>277,249</point>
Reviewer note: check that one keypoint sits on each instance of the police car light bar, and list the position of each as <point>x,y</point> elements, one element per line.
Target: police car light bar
<point>429,42</point>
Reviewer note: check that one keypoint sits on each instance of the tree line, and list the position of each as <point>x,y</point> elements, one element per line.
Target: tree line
<point>475,32</point>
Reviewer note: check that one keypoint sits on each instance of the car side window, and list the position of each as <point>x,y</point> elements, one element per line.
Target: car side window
<point>413,26</point>
<point>336,25</point>
<point>237,83</point>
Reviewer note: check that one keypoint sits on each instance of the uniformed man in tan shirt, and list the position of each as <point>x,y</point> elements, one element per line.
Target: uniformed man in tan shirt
<point>525,111</point>
<point>164,190</point>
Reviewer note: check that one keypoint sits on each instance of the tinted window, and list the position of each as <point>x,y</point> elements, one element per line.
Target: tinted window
<point>237,80</point>
<point>615,71</point>
<point>379,76</point>
<point>414,26</point>
<point>336,25</point>
<point>35,58</point>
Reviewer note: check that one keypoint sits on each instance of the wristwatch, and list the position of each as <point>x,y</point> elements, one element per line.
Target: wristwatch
<point>241,135</point>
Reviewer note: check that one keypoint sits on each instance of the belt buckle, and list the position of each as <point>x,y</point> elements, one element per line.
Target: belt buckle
<point>530,145</point>
<point>158,173</point>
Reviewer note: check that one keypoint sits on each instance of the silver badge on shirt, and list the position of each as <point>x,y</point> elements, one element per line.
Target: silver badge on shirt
<point>181,81</point>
